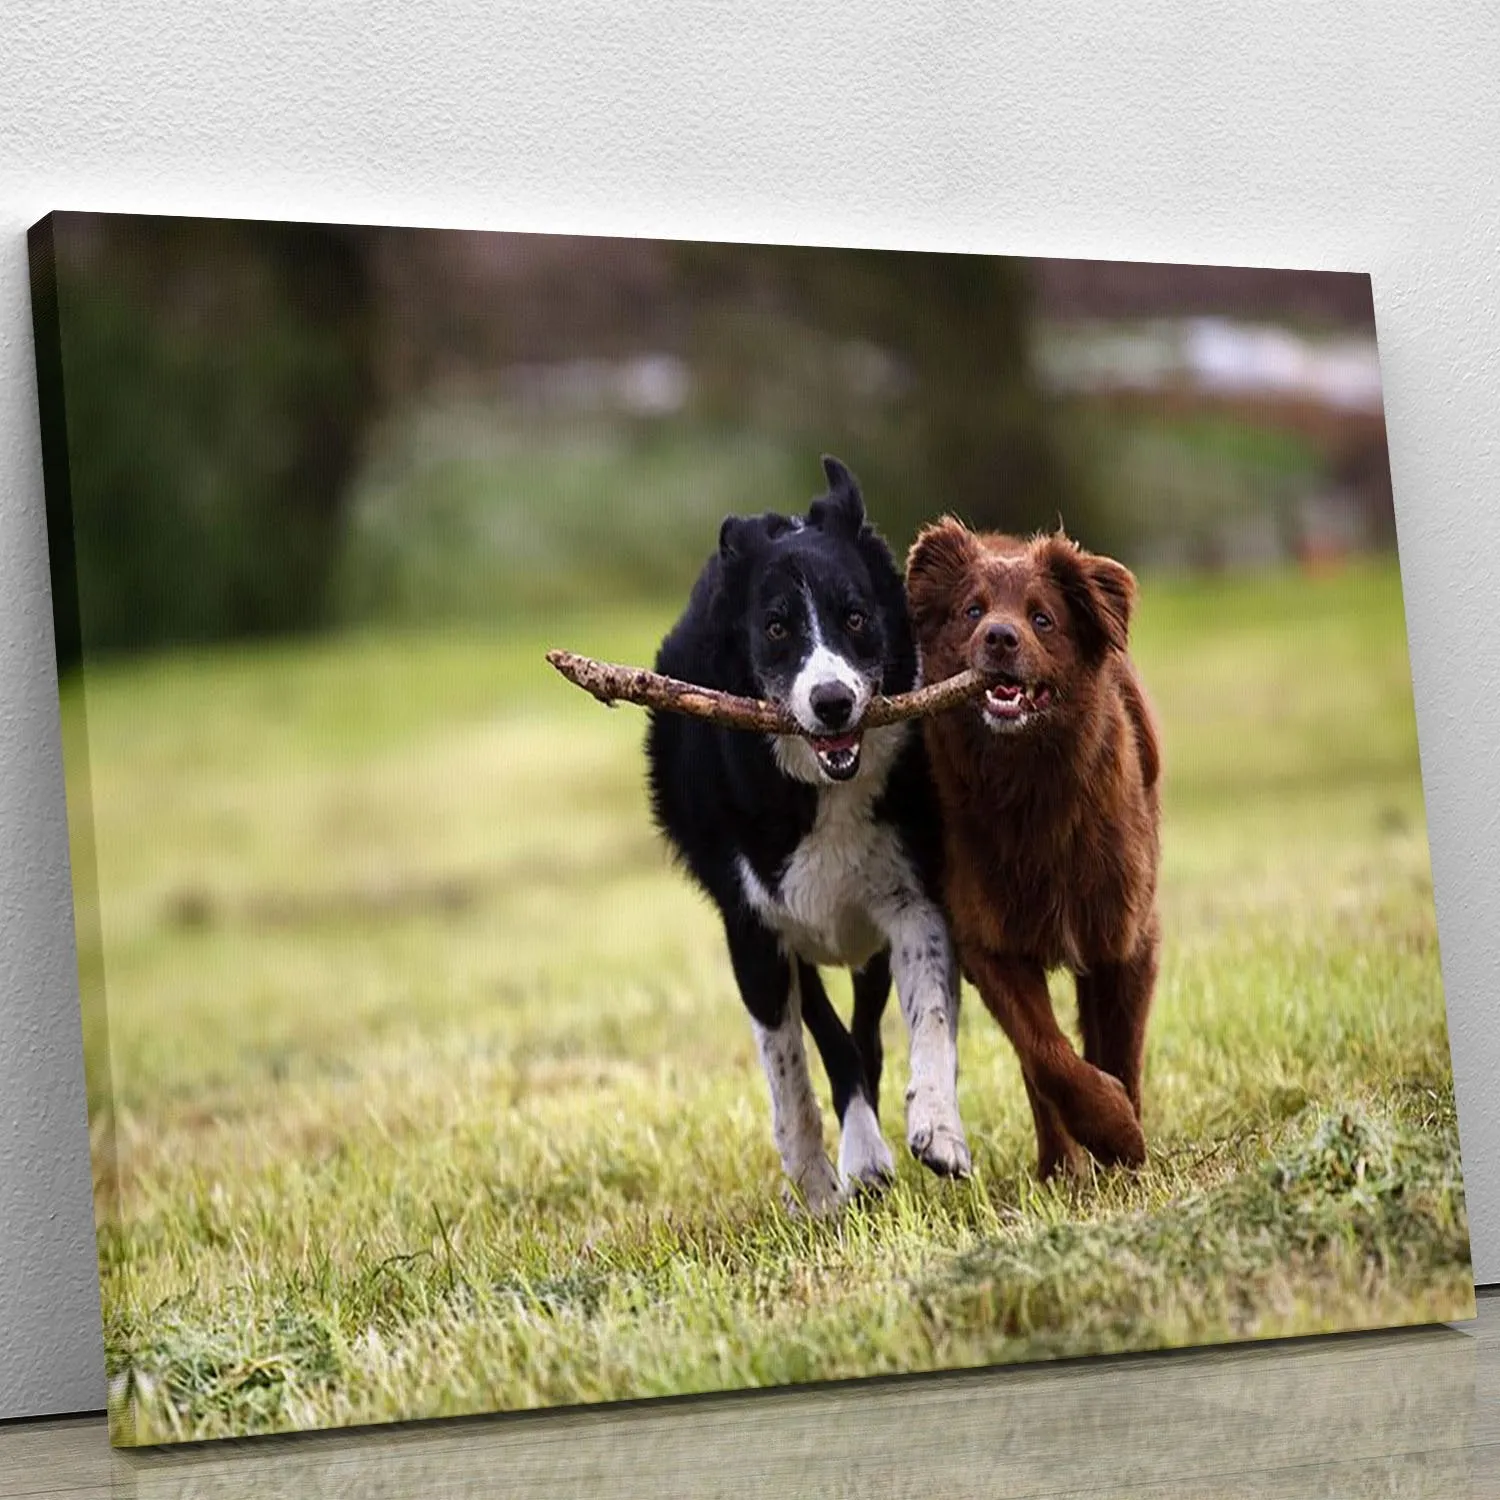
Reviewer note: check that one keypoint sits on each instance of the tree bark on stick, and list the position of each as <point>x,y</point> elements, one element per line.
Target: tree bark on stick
<point>612,684</point>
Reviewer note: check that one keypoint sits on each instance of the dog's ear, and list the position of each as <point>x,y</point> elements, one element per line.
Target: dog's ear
<point>741,536</point>
<point>1100,593</point>
<point>935,568</point>
<point>842,509</point>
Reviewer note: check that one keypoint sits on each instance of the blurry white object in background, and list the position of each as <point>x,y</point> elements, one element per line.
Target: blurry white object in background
<point>1270,361</point>
<point>1213,355</point>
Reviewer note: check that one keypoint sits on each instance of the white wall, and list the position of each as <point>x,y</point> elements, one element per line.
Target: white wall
<point>1346,135</point>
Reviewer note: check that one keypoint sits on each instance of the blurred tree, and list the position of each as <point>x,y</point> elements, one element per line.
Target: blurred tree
<point>927,380</point>
<point>219,385</point>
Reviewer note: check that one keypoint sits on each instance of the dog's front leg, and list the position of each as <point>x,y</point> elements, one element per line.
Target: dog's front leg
<point>927,986</point>
<point>1091,1106</point>
<point>769,987</point>
<point>1114,1003</point>
<point>865,1162</point>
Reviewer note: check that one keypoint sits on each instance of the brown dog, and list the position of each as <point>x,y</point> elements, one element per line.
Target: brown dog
<point>1048,787</point>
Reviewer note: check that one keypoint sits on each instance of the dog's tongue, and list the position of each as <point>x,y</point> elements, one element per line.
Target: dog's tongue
<point>835,742</point>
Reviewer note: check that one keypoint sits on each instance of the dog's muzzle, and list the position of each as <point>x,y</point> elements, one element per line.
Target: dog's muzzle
<point>838,755</point>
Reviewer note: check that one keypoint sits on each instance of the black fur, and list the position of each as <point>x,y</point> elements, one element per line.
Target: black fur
<point>720,794</point>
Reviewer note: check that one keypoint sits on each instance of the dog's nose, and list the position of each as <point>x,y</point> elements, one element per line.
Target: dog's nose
<point>832,704</point>
<point>1002,637</point>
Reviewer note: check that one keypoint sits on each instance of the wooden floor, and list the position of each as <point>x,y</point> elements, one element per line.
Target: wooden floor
<point>1408,1413</point>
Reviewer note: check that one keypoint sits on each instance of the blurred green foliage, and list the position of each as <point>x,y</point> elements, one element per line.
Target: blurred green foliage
<point>223,383</point>
<point>460,516</point>
<point>218,382</point>
<point>273,428</point>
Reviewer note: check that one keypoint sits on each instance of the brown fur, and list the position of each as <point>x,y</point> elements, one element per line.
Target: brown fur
<point>1051,830</point>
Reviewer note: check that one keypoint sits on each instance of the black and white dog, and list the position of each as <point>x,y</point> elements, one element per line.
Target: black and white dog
<point>820,848</point>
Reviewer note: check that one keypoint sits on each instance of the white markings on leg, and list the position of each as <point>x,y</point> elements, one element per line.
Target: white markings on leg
<point>926,984</point>
<point>796,1120</point>
<point>864,1158</point>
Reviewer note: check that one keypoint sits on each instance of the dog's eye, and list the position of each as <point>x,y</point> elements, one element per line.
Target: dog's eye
<point>1041,620</point>
<point>855,620</point>
<point>775,630</point>
<point>975,610</point>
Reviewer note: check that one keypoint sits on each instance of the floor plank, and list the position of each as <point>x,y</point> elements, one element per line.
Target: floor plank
<point>1413,1412</point>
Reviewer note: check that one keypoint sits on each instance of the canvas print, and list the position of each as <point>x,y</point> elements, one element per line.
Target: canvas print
<point>656,817</point>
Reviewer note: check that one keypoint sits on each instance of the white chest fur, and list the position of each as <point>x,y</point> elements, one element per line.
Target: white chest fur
<point>847,868</point>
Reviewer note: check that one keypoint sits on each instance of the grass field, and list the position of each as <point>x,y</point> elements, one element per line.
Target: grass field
<point>432,1094</point>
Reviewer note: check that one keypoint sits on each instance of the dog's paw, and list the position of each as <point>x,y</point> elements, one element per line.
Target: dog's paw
<point>1113,1134</point>
<point>1128,1149</point>
<point>814,1190</point>
<point>936,1136</point>
<point>1069,1163</point>
<point>866,1165</point>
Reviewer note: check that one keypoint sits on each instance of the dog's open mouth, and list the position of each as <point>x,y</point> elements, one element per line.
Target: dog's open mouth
<point>1010,703</point>
<point>838,754</point>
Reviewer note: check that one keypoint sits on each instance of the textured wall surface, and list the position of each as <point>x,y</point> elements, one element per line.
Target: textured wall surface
<point>1348,136</point>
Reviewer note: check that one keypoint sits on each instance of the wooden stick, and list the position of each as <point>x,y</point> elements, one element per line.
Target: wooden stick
<point>612,684</point>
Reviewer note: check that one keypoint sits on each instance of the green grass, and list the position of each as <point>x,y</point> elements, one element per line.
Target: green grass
<point>432,1094</point>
